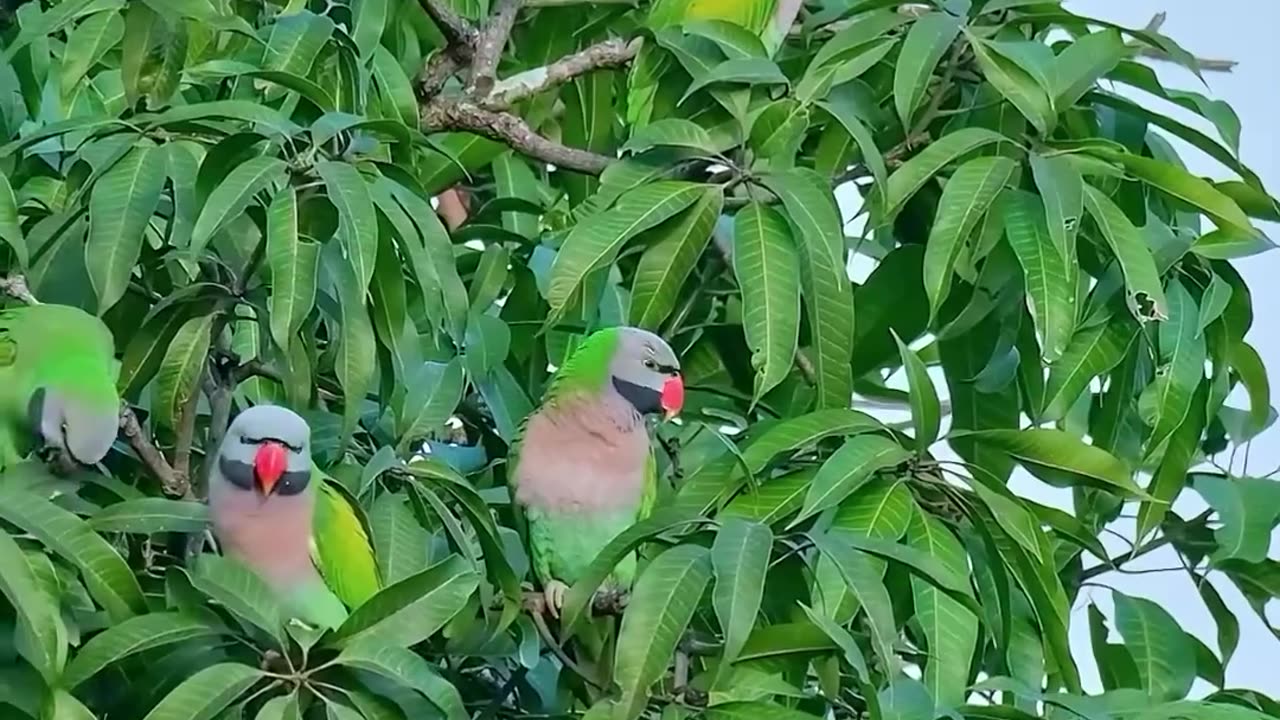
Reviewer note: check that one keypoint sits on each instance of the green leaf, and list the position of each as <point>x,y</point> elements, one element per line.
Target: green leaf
<point>841,637</point>
<point>1179,183</point>
<point>863,580</point>
<point>926,411</point>
<point>751,710</point>
<point>39,635</point>
<point>206,693</point>
<point>1093,351</point>
<point>881,509</point>
<point>705,487</point>
<point>1080,65</point>
<point>671,258</point>
<point>241,592</point>
<point>672,132</point>
<point>1050,291</point>
<point>400,543</point>
<point>135,635</point>
<point>357,223</point>
<point>1062,192</point>
<point>914,173</point>
<point>1214,301</point>
<point>1163,653</point>
<point>748,71</point>
<point>356,359</point>
<point>178,379</point>
<point>1231,245</point>
<point>1248,509</point>
<point>407,669</point>
<point>10,230</point>
<point>152,515</point>
<point>295,266</point>
<point>121,204</point>
<point>662,603</point>
<point>370,22</point>
<point>1228,624</point>
<point>106,575</point>
<point>230,198</point>
<point>433,393</point>
<point>594,242</point>
<point>1142,281</point>
<point>513,178</point>
<point>1164,404</point>
<point>1249,367</point>
<point>1053,453</point>
<point>740,557</point>
<point>93,38</point>
<point>815,220</point>
<point>950,629</point>
<point>926,42</point>
<point>1014,83</point>
<point>966,197</point>
<point>767,267</point>
<point>296,40</point>
<point>778,130</point>
<point>1179,456</point>
<point>846,112</point>
<point>848,469</point>
<point>413,609</point>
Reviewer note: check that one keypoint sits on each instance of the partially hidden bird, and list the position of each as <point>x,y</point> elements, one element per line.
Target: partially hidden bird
<point>583,469</point>
<point>278,514</point>
<point>57,384</point>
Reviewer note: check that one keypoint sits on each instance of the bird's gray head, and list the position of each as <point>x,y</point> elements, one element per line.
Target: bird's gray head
<point>645,371</point>
<point>267,449</point>
<point>67,424</point>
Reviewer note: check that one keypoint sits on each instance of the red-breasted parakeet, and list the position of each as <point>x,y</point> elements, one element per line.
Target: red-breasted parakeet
<point>57,383</point>
<point>582,468</point>
<point>275,512</point>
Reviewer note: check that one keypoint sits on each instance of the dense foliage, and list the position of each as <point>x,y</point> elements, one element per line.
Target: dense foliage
<point>244,191</point>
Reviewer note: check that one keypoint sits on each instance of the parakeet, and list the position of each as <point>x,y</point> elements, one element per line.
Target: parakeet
<point>57,383</point>
<point>582,468</point>
<point>280,516</point>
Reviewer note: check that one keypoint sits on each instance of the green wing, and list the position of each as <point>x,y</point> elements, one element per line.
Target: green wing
<point>340,545</point>
<point>316,605</point>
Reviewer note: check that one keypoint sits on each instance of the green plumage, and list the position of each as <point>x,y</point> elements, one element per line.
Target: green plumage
<point>340,545</point>
<point>64,358</point>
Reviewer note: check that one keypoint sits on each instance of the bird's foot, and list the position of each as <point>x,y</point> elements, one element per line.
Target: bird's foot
<point>553,595</point>
<point>610,601</point>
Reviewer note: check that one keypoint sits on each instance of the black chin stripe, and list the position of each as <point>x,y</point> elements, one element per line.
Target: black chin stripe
<point>35,412</point>
<point>238,473</point>
<point>645,400</point>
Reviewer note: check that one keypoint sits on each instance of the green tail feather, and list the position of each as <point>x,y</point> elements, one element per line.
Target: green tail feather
<point>315,605</point>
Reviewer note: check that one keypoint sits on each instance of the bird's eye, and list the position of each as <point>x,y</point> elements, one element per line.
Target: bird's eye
<point>650,364</point>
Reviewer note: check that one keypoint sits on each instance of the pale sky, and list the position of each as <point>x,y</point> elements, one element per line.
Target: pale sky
<point>1245,31</point>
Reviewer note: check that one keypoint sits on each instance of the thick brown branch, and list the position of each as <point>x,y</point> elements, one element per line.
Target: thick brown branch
<point>456,30</point>
<point>607,54</point>
<point>442,114</point>
<point>170,483</point>
<point>493,39</point>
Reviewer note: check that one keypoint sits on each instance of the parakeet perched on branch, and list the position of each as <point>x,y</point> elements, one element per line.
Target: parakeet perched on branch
<point>582,468</point>
<point>280,516</point>
<point>57,384</point>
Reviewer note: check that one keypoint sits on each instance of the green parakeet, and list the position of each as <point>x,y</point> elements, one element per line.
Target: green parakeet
<point>582,468</point>
<point>57,383</point>
<point>274,511</point>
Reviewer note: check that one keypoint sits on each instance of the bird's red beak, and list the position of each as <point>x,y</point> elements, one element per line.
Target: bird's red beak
<point>269,464</point>
<point>673,396</point>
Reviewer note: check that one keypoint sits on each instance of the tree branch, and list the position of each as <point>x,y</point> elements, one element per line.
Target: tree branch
<point>493,39</point>
<point>456,30</point>
<point>447,114</point>
<point>608,54</point>
<point>149,455</point>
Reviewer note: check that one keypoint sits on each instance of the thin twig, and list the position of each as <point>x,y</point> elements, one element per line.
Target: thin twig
<point>493,39</point>
<point>149,454</point>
